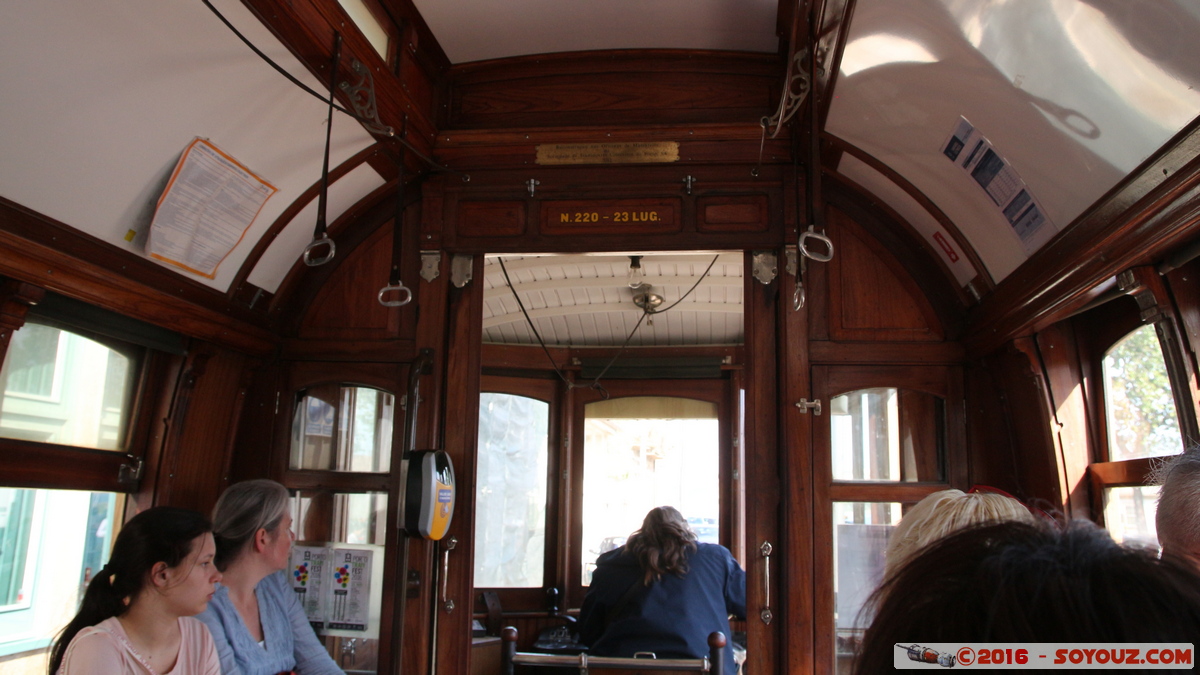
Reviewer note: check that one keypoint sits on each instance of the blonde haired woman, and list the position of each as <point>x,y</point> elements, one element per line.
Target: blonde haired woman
<point>943,513</point>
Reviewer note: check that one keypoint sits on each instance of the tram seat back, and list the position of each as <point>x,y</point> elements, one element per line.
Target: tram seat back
<point>562,664</point>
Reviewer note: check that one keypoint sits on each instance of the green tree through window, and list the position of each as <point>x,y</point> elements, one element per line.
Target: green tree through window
<point>1139,405</point>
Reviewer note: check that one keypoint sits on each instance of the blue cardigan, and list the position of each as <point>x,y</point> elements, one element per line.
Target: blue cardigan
<point>673,616</point>
<point>290,643</point>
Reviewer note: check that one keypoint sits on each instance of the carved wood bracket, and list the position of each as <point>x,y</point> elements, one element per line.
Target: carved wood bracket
<point>16,297</point>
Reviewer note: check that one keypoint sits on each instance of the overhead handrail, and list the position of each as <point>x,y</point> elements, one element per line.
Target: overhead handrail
<point>320,236</point>
<point>394,283</point>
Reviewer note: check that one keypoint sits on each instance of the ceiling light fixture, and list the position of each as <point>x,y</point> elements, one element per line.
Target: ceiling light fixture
<point>635,276</point>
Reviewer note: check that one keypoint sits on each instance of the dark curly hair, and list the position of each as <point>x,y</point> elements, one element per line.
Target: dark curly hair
<point>663,544</point>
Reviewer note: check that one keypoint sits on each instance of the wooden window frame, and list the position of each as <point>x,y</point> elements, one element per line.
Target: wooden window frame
<point>534,599</point>
<point>391,378</point>
<point>945,382</point>
<point>1103,328</point>
<point>715,391</point>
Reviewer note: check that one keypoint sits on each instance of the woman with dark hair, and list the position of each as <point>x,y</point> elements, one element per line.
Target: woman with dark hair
<point>662,592</point>
<point>256,620</point>
<point>1030,583</point>
<point>136,614</point>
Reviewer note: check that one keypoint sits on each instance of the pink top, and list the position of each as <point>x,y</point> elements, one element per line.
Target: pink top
<point>105,649</point>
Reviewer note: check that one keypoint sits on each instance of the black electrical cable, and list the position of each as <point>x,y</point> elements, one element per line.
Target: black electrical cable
<point>291,78</point>
<point>645,313</point>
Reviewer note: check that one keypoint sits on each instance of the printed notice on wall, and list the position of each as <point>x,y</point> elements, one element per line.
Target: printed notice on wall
<point>974,154</point>
<point>209,203</point>
<point>308,580</point>
<point>339,586</point>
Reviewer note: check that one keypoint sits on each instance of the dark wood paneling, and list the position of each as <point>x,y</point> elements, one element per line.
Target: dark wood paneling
<point>307,28</point>
<point>44,252</point>
<point>870,296</point>
<point>1023,389</point>
<point>1184,283</point>
<point>25,464</point>
<point>765,520</point>
<point>830,353</point>
<point>208,402</point>
<point>1069,411</point>
<point>16,297</point>
<point>604,191</point>
<point>795,549</point>
<point>462,372</point>
<point>347,306</point>
<point>732,214</point>
<point>582,88</point>
<point>960,243</point>
<point>630,217</point>
<point>497,219</point>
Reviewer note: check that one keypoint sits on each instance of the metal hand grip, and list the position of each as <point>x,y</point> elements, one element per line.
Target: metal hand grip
<point>447,546</point>
<point>819,257</point>
<point>314,245</point>
<point>404,291</point>
<point>766,614</point>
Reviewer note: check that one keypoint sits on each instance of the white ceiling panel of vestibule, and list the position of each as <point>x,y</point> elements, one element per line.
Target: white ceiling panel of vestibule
<point>585,300</point>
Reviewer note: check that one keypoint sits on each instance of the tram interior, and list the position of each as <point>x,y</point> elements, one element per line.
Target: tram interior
<point>788,265</point>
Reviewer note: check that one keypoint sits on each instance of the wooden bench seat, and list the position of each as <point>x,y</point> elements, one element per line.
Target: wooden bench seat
<point>713,664</point>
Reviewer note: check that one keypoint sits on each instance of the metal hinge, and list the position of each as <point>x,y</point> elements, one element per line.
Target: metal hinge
<point>805,405</point>
<point>129,475</point>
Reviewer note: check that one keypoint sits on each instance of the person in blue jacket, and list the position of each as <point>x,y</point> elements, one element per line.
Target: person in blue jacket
<point>662,592</point>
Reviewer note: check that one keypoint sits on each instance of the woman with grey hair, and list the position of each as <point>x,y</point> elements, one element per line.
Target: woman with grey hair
<point>1178,517</point>
<point>255,618</point>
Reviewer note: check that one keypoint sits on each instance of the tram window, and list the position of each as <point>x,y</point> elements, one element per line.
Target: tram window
<point>343,428</point>
<point>333,524</point>
<point>511,491</point>
<point>1129,514</point>
<point>51,543</point>
<point>647,451</point>
<point>887,434</point>
<point>64,388</point>
<point>860,536</point>
<point>1138,404</point>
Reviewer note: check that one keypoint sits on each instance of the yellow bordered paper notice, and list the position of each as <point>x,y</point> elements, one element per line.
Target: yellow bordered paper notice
<point>209,203</point>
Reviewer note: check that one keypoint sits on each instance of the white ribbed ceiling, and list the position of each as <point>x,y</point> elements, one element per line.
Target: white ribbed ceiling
<point>585,300</point>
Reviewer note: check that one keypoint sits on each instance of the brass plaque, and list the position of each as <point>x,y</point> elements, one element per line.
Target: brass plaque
<point>608,153</point>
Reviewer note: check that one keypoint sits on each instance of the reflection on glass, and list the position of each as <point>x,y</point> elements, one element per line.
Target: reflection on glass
<point>510,492</point>
<point>1129,515</point>
<point>887,434</point>
<point>63,388</point>
<point>340,428</point>
<point>51,543</point>
<point>340,520</point>
<point>860,537</point>
<point>1138,401</point>
<point>646,451</point>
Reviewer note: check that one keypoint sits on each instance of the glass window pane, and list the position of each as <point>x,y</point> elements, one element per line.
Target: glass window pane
<point>340,535</point>
<point>1137,399</point>
<point>643,452</point>
<point>63,388</point>
<point>860,537</point>
<point>887,434</point>
<point>339,428</point>
<point>1129,515</point>
<point>510,491</point>
<point>51,542</point>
